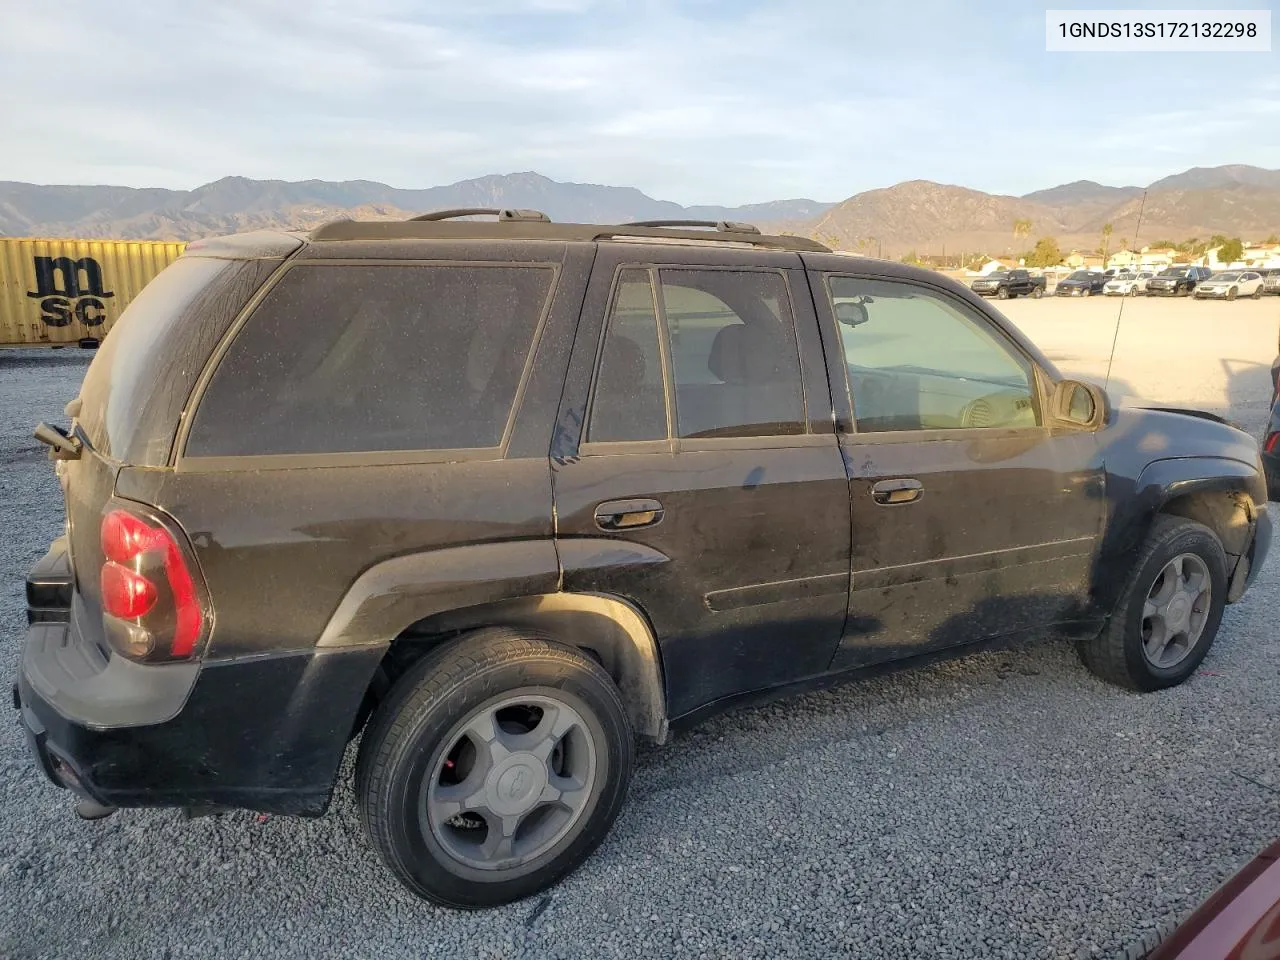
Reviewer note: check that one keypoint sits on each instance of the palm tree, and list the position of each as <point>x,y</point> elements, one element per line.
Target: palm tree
<point>1106,241</point>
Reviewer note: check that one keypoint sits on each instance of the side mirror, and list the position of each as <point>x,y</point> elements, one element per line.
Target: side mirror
<point>1079,403</point>
<point>851,313</point>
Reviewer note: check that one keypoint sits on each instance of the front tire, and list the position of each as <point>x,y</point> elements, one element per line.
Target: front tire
<point>493,769</point>
<point>1002,293</point>
<point>1232,293</point>
<point>1087,291</point>
<point>1169,610</point>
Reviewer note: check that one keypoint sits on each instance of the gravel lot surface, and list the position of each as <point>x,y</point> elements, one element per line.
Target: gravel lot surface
<point>1006,804</point>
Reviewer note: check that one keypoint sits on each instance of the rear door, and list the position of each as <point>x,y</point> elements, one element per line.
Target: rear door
<point>972,516</point>
<point>696,470</point>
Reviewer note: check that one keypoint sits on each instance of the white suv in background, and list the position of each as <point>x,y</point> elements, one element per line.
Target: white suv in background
<point>1231,284</point>
<point>1128,283</point>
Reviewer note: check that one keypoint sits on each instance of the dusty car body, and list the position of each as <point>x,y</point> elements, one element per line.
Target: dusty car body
<point>505,496</point>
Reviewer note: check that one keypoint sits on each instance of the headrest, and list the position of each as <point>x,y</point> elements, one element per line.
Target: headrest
<point>746,353</point>
<point>625,362</point>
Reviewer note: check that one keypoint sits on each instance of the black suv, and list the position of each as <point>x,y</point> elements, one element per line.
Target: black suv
<point>502,496</point>
<point>1081,283</point>
<point>1177,281</point>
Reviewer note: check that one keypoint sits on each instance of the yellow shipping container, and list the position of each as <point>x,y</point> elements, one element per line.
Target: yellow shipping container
<point>65,291</point>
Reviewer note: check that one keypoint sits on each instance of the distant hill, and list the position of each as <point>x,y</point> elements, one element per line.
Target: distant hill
<point>933,218</point>
<point>923,216</point>
<point>1081,191</point>
<point>1220,178</point>
<point>930,218</point>
<point>238,203</point>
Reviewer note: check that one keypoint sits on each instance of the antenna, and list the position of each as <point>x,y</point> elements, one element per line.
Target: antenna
<point>1116,336</point>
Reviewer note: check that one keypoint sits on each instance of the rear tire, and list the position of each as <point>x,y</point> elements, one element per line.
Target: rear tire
<point>1143,649</point>
<point>496,738</point>
<point>1037,293</point>
<point>1256,295</point>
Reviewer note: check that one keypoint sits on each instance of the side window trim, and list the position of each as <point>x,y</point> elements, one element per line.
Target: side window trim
<point>181,460</point>
<point>850,430</point>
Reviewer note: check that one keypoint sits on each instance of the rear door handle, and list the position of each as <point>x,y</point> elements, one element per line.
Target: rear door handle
<point>889,492</point>
<point>628,514</point>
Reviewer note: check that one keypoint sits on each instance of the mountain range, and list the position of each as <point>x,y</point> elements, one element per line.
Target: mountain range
<point>920,215</point>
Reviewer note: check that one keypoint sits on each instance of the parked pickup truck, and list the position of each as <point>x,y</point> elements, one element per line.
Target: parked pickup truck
<point>1004,284</point>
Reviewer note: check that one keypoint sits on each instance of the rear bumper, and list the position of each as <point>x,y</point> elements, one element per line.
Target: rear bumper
<point>265,733</point>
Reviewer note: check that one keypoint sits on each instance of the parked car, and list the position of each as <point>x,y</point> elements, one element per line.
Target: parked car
<point>1176,281</point>
<point>1127,284</point>
<point>1231,284</point>
<point>503,496</point>
<point>1081,283</point>
<point>1240,921</point>
<point>1007,284</point>
<point>1270,280</point>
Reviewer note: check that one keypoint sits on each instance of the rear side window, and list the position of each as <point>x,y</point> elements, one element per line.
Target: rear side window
<point>139,382</point>
<point>733,353</point>
<point>630,400</point>
<point>344,359</point>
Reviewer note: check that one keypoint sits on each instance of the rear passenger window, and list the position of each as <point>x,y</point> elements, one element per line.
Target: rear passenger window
<point>339,359</point>
<point>733,353</point>
<point>630,401</point>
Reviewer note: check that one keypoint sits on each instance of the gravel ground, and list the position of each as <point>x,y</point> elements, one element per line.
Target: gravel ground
<point>1006,804</point>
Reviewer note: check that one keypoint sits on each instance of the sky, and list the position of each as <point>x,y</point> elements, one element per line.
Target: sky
<point>701,101</point>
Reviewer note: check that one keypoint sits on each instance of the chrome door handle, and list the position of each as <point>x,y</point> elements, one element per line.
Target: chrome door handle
<point>628,514</point>
<point>890,492</point>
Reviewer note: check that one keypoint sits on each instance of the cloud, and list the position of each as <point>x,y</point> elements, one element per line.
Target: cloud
<point>705,101</point>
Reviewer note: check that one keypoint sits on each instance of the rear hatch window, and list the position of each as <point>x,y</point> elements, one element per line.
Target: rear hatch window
<point>137,385</point>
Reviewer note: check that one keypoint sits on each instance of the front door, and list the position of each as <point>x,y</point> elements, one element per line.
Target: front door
<point>696,472</point>
<point>973,516</point>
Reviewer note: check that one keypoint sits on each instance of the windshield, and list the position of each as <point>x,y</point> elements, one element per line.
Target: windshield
<point>1080,275</point>
<point>1225,276</point>
<point>997,274</point>
<point>1174,272</point>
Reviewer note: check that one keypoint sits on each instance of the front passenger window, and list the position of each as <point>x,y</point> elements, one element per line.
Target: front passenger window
<point>918,360</point>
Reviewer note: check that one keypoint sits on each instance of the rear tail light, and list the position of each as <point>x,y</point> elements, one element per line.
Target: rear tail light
<point>1272,440</point>
<point>151,607</point>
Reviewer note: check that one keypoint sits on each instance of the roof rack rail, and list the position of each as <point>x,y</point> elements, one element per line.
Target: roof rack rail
<point>527,225</point>
<point>520,216</point>
<point>720,226</point>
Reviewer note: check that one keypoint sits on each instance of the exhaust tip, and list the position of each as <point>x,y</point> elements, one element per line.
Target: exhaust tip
<point>88,809</point>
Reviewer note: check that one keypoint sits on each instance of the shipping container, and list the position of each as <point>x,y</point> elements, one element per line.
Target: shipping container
<point>55,292</point>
